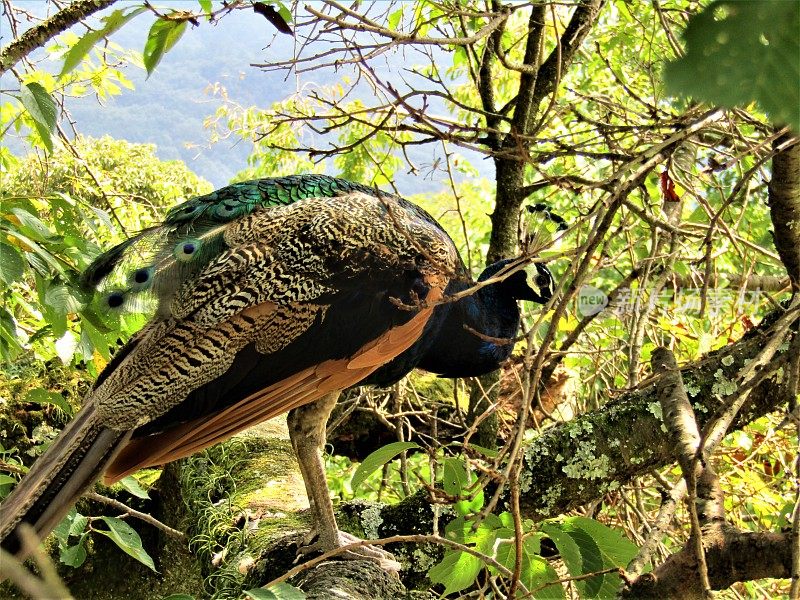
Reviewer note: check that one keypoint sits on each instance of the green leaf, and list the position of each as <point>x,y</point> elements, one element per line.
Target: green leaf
<point>285,13</point>
<point>587,546</point>
<point>81,48</point>
<point>377,459</point>
<point>462,530</point>
<point>12,265</point>
<point>178,597</point>
<point>38,250</point>
<point>96,339</point>
<point>32,226</point>
<point>536,571</point>
<point>39,104</point>
<point>205,6</point>
<point>131,484</point>
<point>616,549</point>
<point>112,23</point>
<point>737,52</point>
<point>457,571</point>
<point>60,299</point>
<point>6,482</point>
<point>43,396</point>
<point>281,591</point>
<point>457,481</point>
<point>62,529</point>
<point>394,19</point>
<point>506,550</point>
<point>454,477</point>
<point>73,556</point>
<point>9,346</point>
<point>42,109</point>
<point>127,539</point>
<point>163,35</point>
<point>78,525</point>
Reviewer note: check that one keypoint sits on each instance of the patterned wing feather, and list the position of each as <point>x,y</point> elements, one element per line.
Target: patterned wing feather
<point>301,388</point>
<point>302,301</point>
<point>143,273</point>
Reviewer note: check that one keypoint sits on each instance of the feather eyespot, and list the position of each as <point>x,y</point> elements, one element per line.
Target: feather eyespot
<point>225,210</point>
<point>141,278</point>
<point>115,299</point>
<point>186,249</point>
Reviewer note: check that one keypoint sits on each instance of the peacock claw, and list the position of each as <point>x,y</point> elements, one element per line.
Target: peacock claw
<point>378,555</point>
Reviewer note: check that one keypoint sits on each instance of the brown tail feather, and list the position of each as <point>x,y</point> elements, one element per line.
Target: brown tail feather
<point>71,464</point>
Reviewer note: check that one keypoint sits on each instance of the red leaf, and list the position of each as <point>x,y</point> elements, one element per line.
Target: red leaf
<point>668,188</point>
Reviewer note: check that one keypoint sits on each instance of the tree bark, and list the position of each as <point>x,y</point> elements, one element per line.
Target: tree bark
<point>512,151</point>
<point>579,461</point>
<point>784,204</point>
<point>243,506</point>
<point>731,556</point>
<point>511,154</point>
<point>39,35</point>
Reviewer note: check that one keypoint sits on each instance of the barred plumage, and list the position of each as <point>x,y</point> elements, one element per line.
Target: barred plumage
<point>270,296</point>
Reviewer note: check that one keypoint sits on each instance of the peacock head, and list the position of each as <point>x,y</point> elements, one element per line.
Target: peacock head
<point>539,284</point>
<point>534,283</point>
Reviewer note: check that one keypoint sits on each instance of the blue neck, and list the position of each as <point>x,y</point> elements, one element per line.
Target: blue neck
<point>491,317</point>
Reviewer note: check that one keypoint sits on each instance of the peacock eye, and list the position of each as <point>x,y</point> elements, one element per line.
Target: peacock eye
<point>225,210</point>
<point>115,299</point>
<point>186,249</point>
<point>141,276</point>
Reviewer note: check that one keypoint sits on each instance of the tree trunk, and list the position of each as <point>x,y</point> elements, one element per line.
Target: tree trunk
<point>784,204</point>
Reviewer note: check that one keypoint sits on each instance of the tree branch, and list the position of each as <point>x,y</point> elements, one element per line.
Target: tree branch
<point>578,28</point>
<point>39,35</point>
<point>682,426</point>
<point>571,464</point>
<point>731,555</point>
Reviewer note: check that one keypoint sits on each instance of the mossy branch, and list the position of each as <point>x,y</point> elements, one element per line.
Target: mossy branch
<point>39,35</point>
<point>571,464</point>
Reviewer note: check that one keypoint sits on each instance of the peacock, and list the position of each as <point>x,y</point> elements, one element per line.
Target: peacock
<point>271,296</point>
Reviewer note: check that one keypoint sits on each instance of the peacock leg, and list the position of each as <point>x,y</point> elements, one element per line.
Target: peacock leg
<point>307,433</point>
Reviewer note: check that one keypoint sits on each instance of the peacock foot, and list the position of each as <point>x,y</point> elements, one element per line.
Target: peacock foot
<point>338,539</point>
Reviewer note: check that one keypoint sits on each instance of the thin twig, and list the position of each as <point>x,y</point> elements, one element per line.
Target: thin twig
<point>149,519</point>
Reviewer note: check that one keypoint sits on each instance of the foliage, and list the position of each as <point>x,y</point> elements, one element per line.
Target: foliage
<point>42,109</point>
<point>164,34</point>
<point>81,48</point>
<point>281,591</point>
<point>377,459</point>
<point>738,52</point>
<point>75,525</point>
<point>57,214</point>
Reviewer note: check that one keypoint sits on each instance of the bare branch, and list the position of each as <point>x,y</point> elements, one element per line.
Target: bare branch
<point>127,510</point>
<point>39,35</point>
